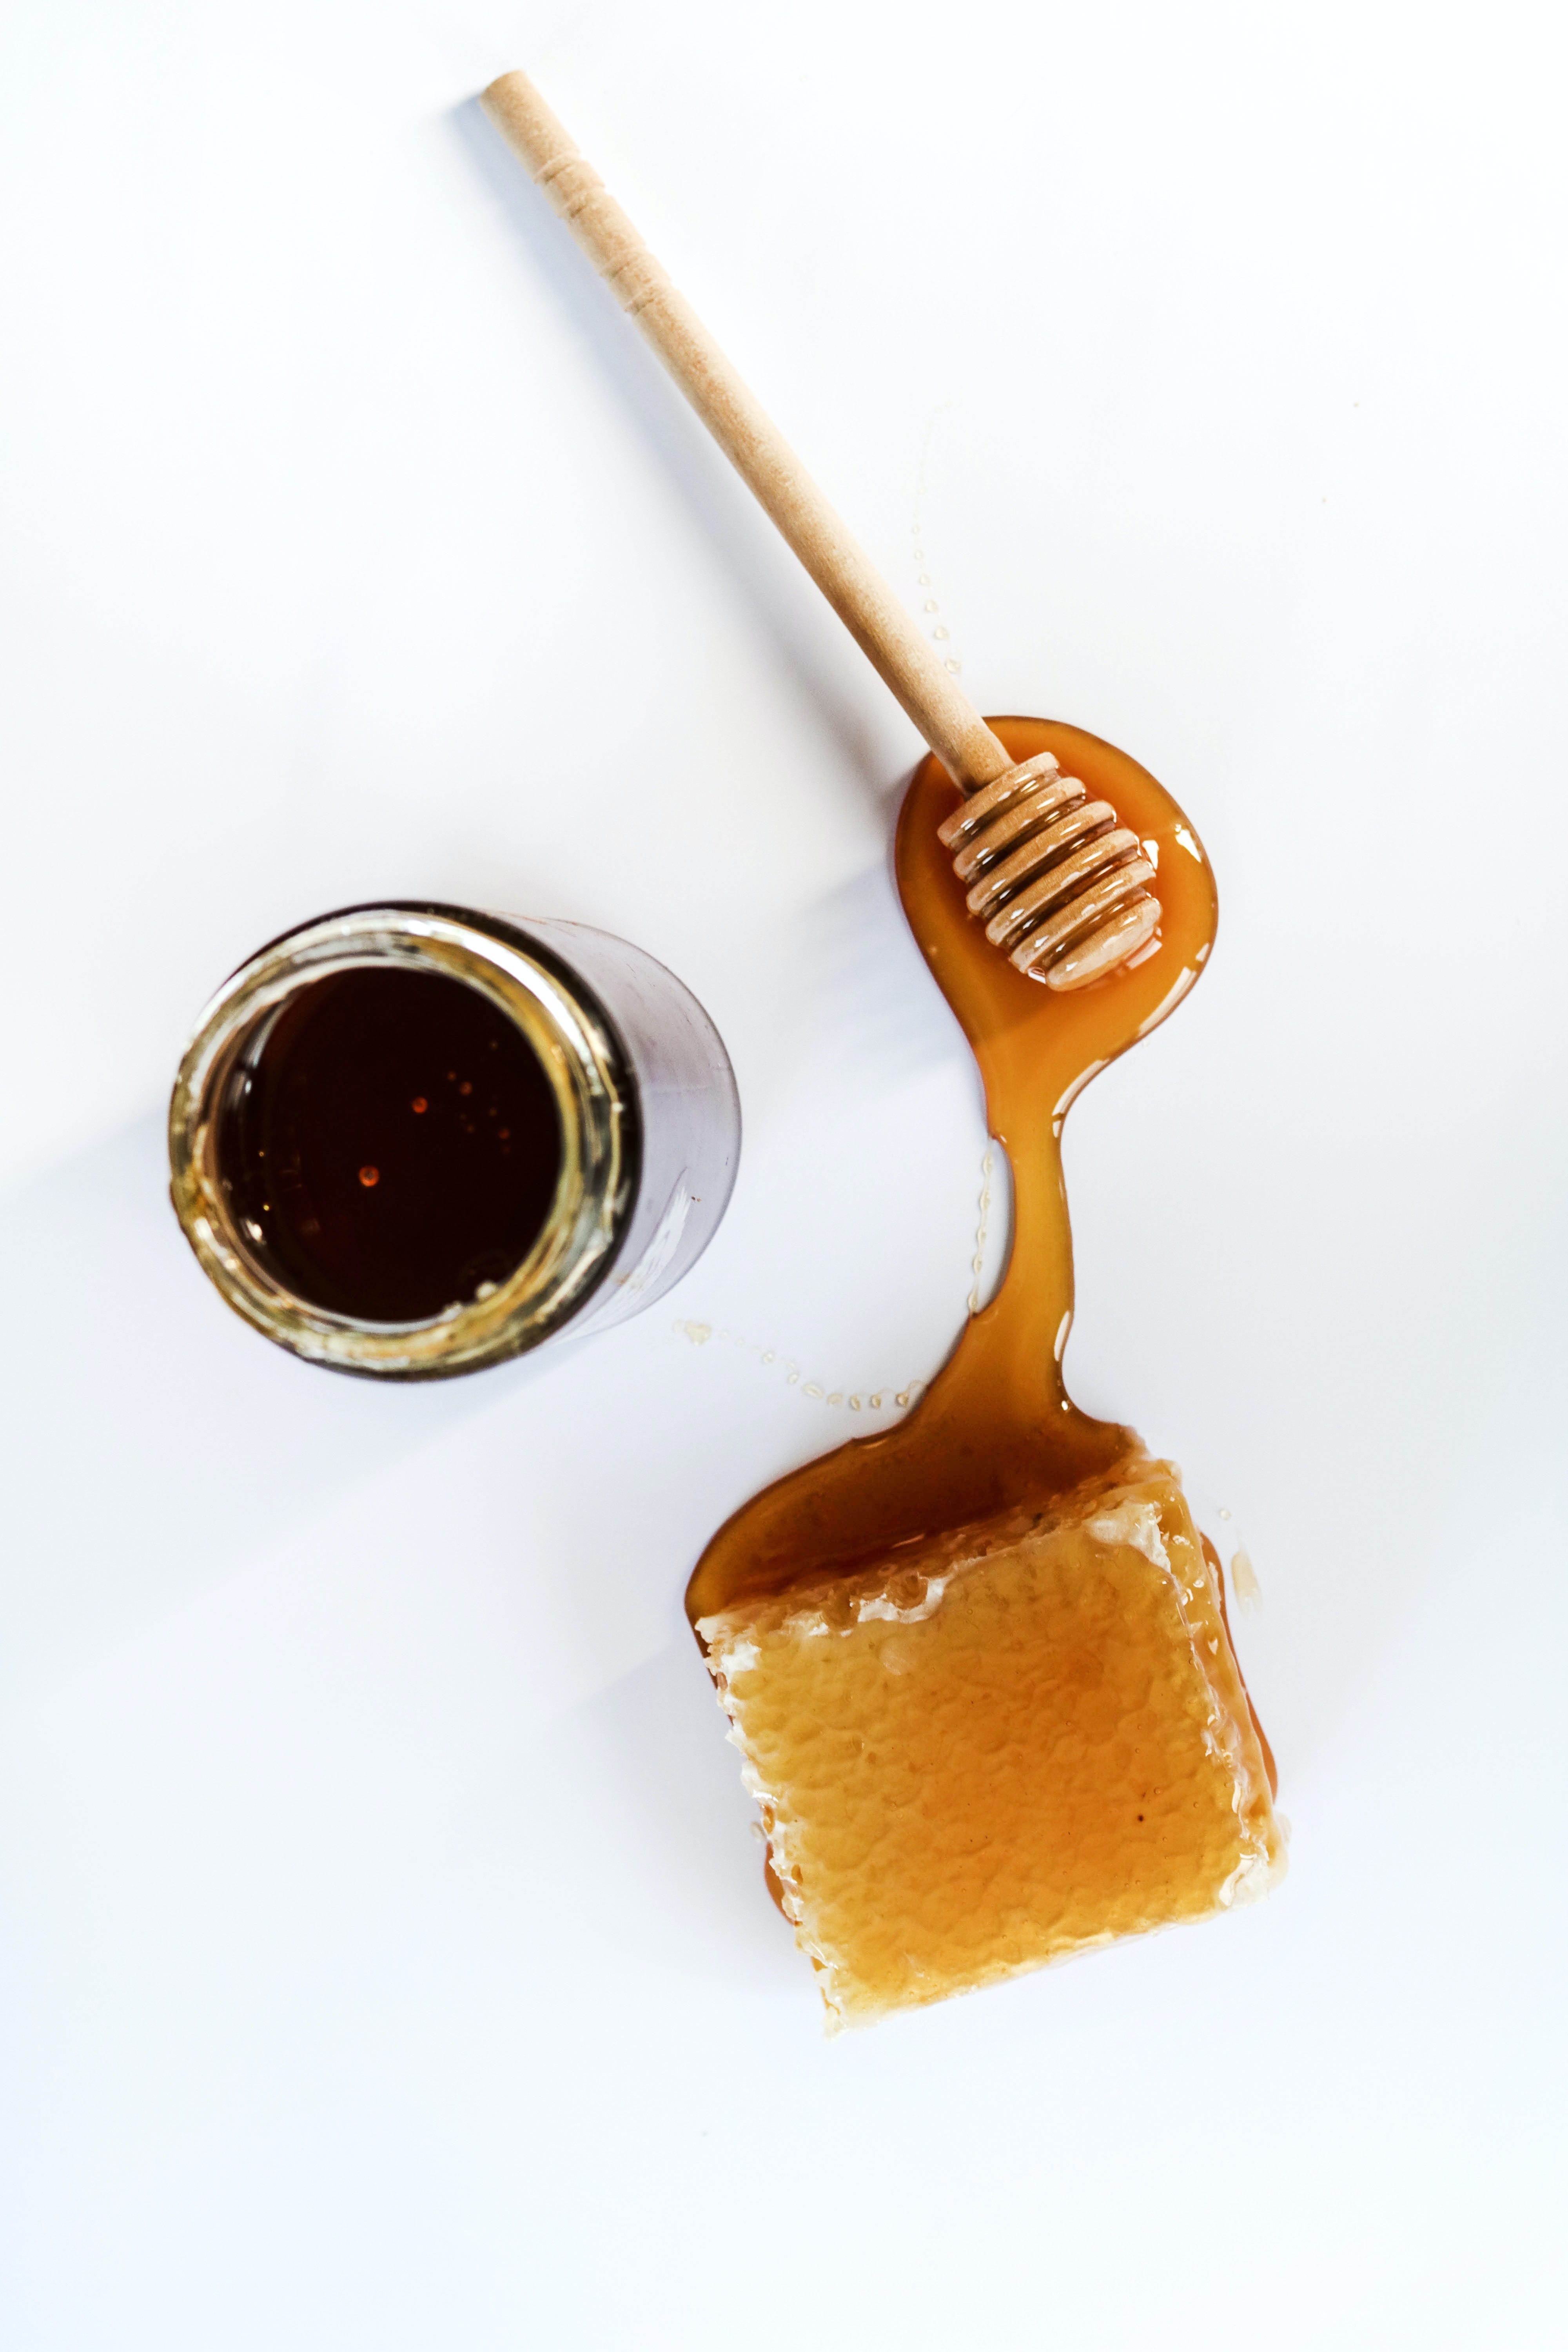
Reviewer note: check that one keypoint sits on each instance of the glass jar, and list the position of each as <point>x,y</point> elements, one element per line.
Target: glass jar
<point>647,1133</point>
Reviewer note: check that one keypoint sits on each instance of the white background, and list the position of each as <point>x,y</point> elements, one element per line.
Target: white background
<point>386,1959</point>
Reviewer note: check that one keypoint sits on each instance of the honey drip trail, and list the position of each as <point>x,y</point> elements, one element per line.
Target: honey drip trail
<point>996,1426</point>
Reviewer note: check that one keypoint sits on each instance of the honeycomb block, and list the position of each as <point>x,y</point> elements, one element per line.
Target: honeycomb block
<point>997,1749</point>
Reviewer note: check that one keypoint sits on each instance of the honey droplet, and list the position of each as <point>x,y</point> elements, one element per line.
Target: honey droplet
<point>369,1176</point>
<point>419,1103</point>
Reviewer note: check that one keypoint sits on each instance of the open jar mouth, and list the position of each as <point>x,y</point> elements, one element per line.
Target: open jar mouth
<point>591,1082</point>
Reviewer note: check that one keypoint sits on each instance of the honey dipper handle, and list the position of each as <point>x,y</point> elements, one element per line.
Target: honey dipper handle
<point>881,628</point>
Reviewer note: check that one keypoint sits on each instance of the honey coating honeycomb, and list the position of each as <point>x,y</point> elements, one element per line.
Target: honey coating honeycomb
<point>996,1748</point>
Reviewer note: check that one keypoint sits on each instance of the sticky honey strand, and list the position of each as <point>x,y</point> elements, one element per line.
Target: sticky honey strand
<point>996,1426</point>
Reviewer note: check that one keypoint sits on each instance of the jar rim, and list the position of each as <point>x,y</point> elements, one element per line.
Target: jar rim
<point>592,1079</point>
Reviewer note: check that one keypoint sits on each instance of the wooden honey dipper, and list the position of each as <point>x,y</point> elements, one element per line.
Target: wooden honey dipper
<point>1059,882</point>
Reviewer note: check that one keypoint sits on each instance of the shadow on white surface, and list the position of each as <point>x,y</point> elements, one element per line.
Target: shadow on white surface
<point>874,1004</point>
<point>830,674</point>
<point>648,1783</point>
<point>189,1435</point>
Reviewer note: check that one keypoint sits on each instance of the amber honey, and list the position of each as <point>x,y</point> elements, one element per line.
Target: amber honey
<point>1057,1747</point>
